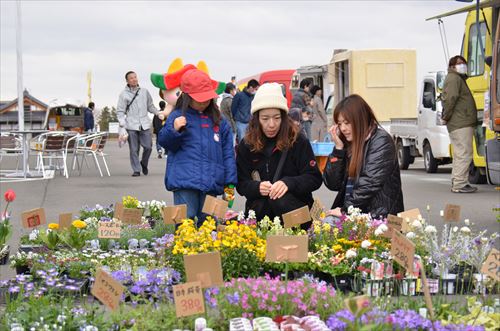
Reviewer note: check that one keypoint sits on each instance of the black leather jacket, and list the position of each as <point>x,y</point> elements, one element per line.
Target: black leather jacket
<point>377,190</point>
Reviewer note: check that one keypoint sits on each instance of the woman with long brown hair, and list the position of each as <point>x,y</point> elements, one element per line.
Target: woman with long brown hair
<point>363,166</point>
<point>277,171</point>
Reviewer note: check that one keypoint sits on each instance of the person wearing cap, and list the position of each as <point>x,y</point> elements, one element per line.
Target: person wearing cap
<point>199,142</point>
<point>132,110</point>
<point>225,105</point>
<point>273,139</point>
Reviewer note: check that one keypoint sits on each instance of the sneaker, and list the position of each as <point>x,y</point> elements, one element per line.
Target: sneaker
<point>144,169</point>
<point>159,155</point>
<point>466,189</point>
<point>136,174</point>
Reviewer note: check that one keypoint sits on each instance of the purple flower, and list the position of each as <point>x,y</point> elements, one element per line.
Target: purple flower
<point>71,288</point>
<point>233,299</point>
<point>14,289</point>
<point>121,276</point>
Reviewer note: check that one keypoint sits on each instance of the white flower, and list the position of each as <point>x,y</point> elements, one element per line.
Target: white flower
<point>484,240</point>
<point>428,207</point>
<point>251,214</point>
<point>466,221</point>
<point>277,221</point>
<point>381,229</point>
<point>351,253</point>
<point>464,229</point>
<point>416,224</point>
<point>61,318</point>
<point>430,229</point>
<point>410,235</point>
<point>241,216</point>
<point>33,235</point>
<point>455,228</point>
<point>365,244</point>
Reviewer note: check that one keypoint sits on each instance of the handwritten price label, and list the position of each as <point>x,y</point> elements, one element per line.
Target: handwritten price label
<point>65,220</point>
<point>33,218</point>
<point>452,213</point>
<point>131,215</point>
<point>402,250</point>
<point>109,230</point>
<point>107,290</point>
<point>188,299</point>
<point>316,210</point>
<point>491,266</point>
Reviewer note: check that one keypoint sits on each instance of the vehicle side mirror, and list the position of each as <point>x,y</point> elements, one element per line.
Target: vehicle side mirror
<point>488,60</point>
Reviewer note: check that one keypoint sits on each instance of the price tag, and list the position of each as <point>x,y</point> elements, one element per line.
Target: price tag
<point>287,249</point>
<point>188,299</point>
<point>131,216</point>
<point>452,213</point>
<point>174,214</point>
<point>412,214</point>
<point>355,304</point>
<point>394,222</point>
<point>296,217</point>
<point>33,218</point>
<point>111,230</point>
<point>205,268</point>
<point>316,210</point>
<point>402,250</point>
<point>107,290</point>
<point>215,207</point>
<point>491,266</point>
<point>65,220</point>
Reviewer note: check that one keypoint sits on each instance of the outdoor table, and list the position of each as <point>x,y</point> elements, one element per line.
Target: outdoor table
<point>25,173</point>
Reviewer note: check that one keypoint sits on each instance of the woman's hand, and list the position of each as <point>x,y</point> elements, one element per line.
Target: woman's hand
<point>278,190</point>
<point>179,122</point>
<point>334,133</point>
<point>265,188</point>
<point>334,212</point>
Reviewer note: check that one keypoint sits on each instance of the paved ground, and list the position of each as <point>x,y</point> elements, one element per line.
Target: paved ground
<point>60,195</point>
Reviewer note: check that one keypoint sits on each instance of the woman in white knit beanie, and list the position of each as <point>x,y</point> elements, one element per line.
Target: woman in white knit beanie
<point>272,139</point>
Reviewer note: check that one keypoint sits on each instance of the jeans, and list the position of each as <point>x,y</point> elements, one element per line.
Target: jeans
<point>194,200</point>
<point>137,139</point>
<point>241,129</point>
<point>159,149</point>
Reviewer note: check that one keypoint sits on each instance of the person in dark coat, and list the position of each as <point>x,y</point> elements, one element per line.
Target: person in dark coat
<point>272,135</point>
<point>88,117</point>
<point>158,121</point>
<point>363,167</point>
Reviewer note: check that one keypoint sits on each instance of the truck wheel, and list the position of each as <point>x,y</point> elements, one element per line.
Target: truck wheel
<point>475,176</point>
<point>403,155</point>
<point>430,163</point>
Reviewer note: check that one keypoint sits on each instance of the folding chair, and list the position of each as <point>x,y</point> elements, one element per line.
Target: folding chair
<point>87,146</point>
<point>11,145</point>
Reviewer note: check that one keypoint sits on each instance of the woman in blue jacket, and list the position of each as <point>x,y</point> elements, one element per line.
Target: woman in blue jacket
<point>199,144</point>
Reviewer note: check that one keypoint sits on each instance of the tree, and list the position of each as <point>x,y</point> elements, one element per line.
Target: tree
<point>107,115</point>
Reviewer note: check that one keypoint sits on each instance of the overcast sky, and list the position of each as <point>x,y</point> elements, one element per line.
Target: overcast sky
<point>64,40</point>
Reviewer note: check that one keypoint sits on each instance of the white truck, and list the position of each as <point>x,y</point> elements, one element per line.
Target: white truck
<point>427,134</point>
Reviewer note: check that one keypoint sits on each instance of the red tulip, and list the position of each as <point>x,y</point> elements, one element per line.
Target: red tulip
<point>10,195</point>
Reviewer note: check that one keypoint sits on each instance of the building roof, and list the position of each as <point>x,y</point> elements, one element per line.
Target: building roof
<point>6,104</point>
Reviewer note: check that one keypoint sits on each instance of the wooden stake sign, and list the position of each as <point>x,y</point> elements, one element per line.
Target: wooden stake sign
<point>65,221</point>
<point>118,210</point>
<point>108,290</point>
<point>174,214</point>
<point>402,251</point>
<point>109,230</point>
<point>491,266</point>
<point>215,207</point>
<point>188,299</point>
<point>33,218</point>
<point>287,249</point>
<point>394,223</point>
<point>355,304</point>
<point>425,287</point>
<point>452,213</point>
<point>316,210</point>
<point>205,268</point>
<point>412,214</point>
<point>296,217</point>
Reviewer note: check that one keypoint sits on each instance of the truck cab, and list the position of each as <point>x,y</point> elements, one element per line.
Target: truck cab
<point>433,140</point>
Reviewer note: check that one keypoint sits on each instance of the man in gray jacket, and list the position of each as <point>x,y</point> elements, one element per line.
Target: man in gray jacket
<point>134,104</point>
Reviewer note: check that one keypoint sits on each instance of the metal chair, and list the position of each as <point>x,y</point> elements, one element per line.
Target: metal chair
<point>51,146</point>
<point>88,145</point>
<point>11,145</point>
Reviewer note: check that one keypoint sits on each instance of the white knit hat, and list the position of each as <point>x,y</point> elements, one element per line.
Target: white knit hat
<point>269,95</point>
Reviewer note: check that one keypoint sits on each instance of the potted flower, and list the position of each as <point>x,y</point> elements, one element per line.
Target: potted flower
<point>6,228</point>
<point>76,236</point>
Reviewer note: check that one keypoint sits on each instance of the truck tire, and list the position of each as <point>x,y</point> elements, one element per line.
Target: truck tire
<point>475,176</point>
<point>403,155</point>
<point>430,163</point>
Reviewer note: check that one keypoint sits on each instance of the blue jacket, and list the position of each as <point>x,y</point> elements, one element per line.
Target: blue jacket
<point>240,108</point>
<point>88,119</point>
<point>201,157</point>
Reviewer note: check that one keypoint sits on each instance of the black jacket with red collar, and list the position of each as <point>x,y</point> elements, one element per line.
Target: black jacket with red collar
<point>300,171</point>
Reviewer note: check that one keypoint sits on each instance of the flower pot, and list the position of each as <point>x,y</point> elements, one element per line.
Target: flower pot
<point>343,283</point>
<point>23,269</point>
<point>4,255</point>
<point>32,248</point>
<point>408,286</point>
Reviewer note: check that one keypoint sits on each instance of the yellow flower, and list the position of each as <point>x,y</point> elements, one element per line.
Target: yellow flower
<point>53,226</point>
<point>79,224</point>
